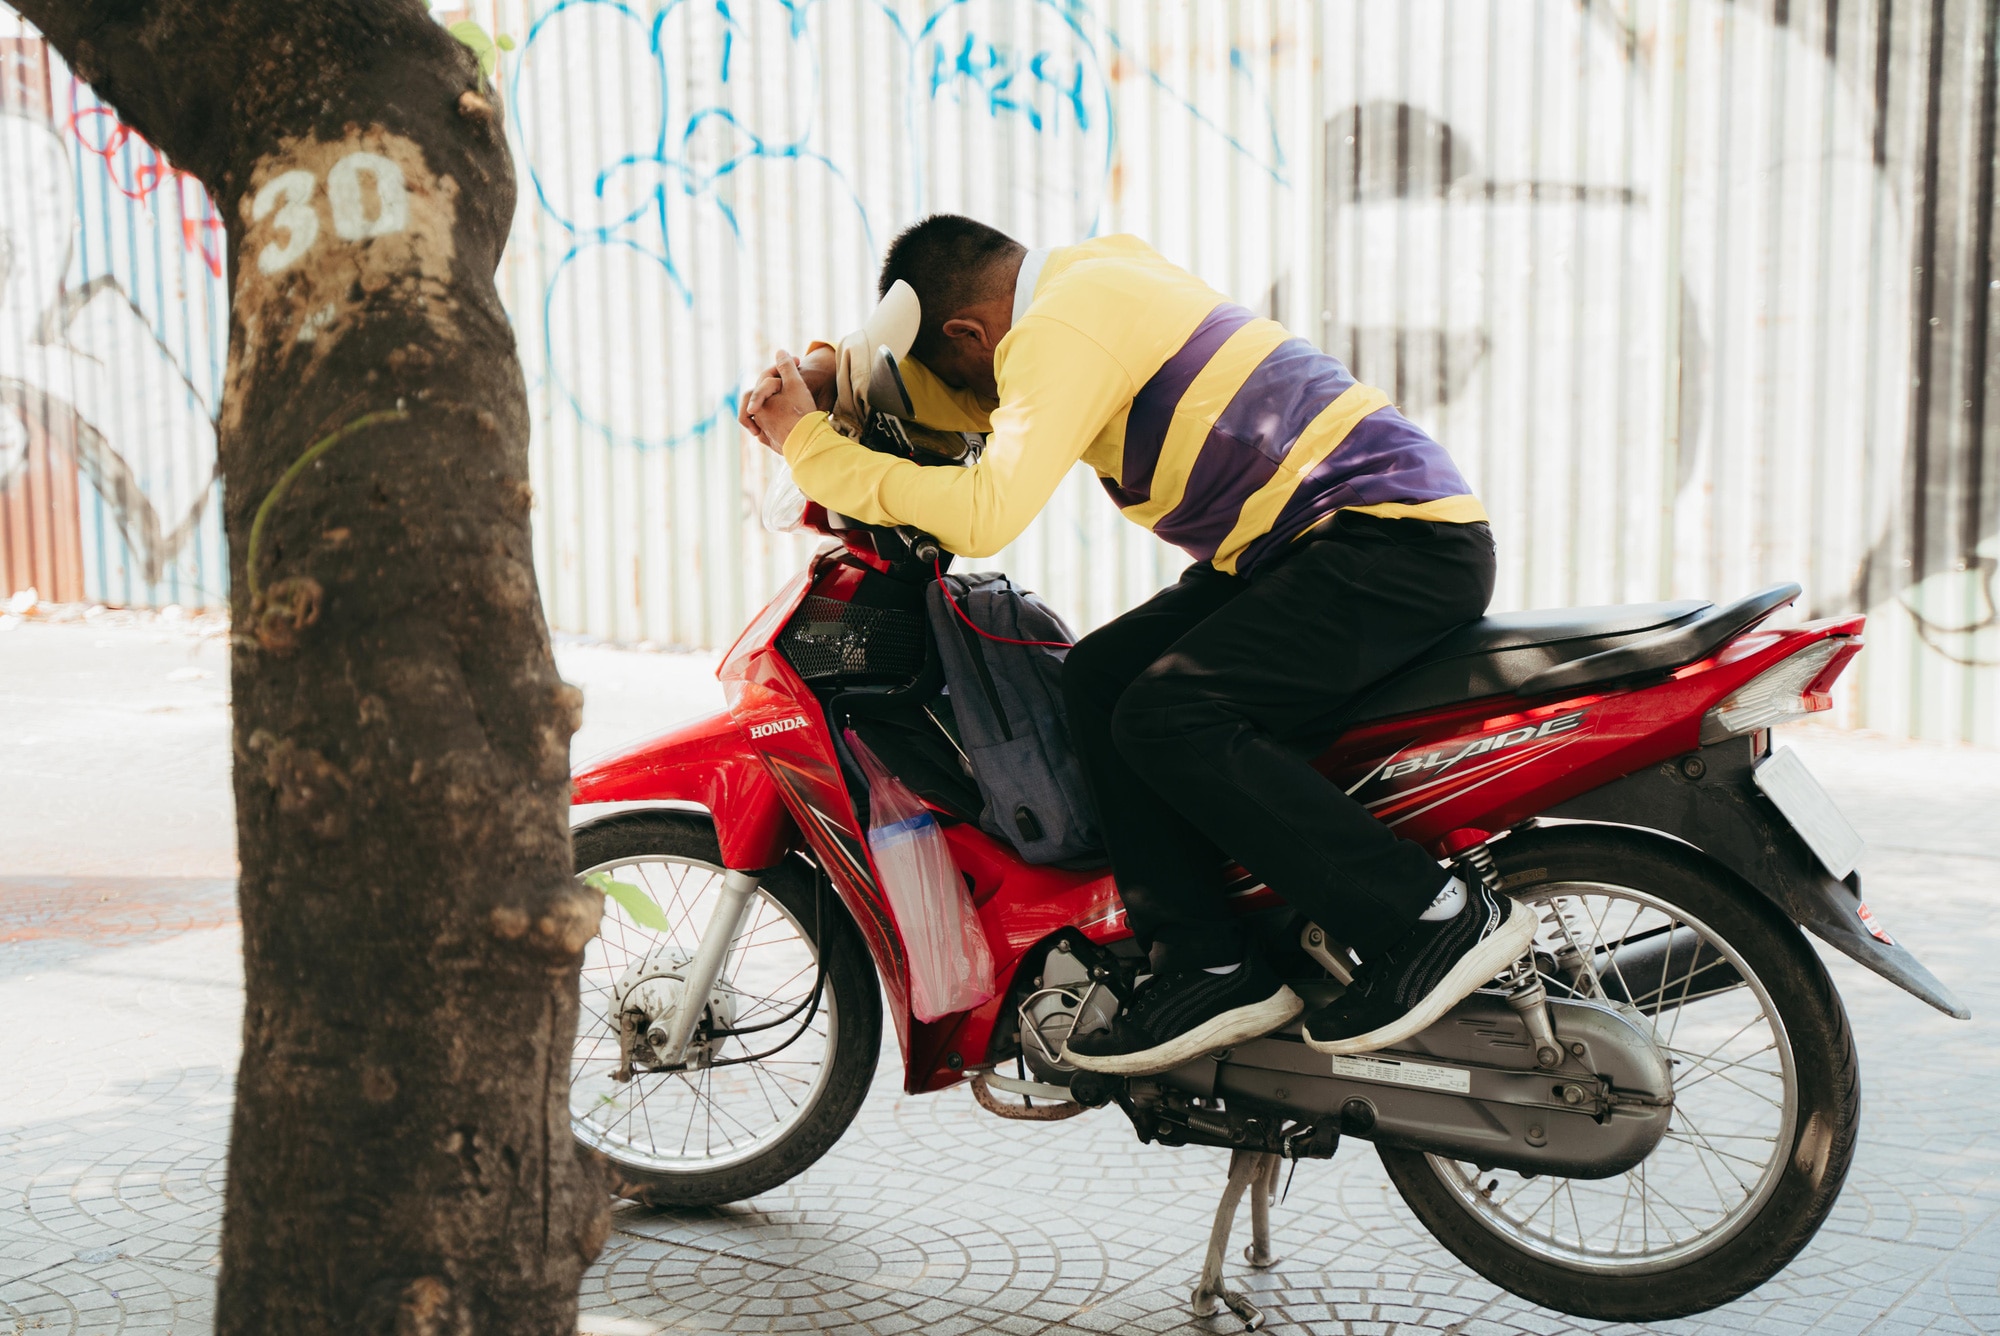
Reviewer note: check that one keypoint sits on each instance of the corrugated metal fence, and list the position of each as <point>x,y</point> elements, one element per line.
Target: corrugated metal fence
<point>1701,294</point>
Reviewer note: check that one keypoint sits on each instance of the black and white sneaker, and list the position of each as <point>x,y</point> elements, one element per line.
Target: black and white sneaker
<point>1411,986</point>
<point>1177,1017</point>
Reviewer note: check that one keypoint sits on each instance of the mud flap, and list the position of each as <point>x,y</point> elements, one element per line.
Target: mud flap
<point>1709,799</point>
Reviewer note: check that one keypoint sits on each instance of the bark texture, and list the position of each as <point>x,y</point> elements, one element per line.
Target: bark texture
<point>400,1159</point>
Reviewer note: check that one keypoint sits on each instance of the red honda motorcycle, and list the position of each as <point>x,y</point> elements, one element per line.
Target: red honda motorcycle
<point>1648,1116</point>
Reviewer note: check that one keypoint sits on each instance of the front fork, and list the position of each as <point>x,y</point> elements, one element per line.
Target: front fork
<point>699,979</point>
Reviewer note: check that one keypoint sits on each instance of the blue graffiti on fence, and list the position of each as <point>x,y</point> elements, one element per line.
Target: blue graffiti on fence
<point>656,139</point>
<point>1039,85</point>
<point>1009,83</point>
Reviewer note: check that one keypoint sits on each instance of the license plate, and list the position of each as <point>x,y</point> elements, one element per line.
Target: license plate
<point>1791,788</point>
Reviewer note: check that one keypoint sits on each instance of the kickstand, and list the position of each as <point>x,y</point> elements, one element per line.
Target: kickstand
<point>1255,1172</point>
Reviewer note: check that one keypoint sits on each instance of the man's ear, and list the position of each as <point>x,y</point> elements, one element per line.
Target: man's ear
<point>970,327</point>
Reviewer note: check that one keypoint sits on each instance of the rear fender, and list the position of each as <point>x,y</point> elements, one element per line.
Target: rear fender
<point>708,763</point>
<point>1708,799</point>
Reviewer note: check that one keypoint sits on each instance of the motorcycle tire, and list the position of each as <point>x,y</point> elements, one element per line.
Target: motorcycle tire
<point>855,1037</point>
<point>1823,1127</point>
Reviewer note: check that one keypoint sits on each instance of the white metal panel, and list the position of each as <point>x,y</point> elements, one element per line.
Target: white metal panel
<point>1699,292</point>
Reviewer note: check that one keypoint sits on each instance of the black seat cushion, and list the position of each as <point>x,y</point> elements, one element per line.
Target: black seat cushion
<point>1495,655</point>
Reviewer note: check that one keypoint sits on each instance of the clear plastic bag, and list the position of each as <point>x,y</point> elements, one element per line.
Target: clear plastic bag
<point>951,967</point>
<point>784,507</point>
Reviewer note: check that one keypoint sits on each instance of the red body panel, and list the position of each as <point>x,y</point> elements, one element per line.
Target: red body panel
<point>1489,764</point>
<point>1020,904</point>
<point>767,771</point>
<point>701,762</point>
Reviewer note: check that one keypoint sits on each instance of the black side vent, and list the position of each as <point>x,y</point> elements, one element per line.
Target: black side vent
<point>827,640</point>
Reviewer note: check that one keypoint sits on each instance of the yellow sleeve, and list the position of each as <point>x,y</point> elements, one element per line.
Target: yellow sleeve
<point>1058,388</point>
<point>939,405</point>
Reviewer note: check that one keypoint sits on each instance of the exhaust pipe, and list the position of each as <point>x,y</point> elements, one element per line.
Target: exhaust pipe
<point>1660,970</point>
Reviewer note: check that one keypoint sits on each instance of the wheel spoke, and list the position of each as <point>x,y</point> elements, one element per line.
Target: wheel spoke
<point>1624,1209</point>
<point>765,1091</point>
<point>1658,995</point>
<point>1708,1068</point>
<point>1597,930</point>
<point>1704,1142</point>
<point>1645,1240</point>
<point>1586,961</point>
<point>1695,1132</point>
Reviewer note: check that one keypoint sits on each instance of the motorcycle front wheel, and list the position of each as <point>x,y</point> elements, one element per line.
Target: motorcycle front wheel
<point>1767,1091</point>
<point>773,1097</point>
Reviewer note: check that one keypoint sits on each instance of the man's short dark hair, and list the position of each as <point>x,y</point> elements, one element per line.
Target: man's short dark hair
<point>952,262</point>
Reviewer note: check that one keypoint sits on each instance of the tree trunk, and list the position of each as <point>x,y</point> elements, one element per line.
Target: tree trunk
<point>400,1159</point>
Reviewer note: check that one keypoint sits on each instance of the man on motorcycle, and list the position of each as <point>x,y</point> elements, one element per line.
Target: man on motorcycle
<point>1333,542</point>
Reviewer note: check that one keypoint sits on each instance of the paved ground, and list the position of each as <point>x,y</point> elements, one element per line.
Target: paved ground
<point>119,1010</point>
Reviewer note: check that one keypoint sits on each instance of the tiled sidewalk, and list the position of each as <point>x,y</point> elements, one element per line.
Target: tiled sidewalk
<point>931,1215</point>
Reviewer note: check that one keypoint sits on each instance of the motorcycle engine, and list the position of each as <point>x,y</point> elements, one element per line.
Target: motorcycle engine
<point>1064,1003</point>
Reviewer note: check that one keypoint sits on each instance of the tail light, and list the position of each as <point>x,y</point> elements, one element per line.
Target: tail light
<point>1796,686</point>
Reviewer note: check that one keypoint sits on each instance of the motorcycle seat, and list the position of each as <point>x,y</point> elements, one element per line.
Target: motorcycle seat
<point>1499,655</point>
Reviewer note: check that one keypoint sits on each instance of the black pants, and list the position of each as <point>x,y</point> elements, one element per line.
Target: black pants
<point>1188,711</point>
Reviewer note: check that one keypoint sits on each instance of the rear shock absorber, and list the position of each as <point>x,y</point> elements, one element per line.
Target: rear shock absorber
<point>1530,1001</point>
<point>1525,993</point>
<point>1480,858</point>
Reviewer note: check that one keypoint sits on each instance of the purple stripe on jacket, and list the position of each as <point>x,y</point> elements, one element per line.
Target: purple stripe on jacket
<point>1385,458</point>
<point>1249,440</point>
<point>1280,399</point>
<point>1153,406</point>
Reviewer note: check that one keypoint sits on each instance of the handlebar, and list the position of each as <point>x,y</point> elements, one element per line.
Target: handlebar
<point>922,546</point>
<point>885,434</point>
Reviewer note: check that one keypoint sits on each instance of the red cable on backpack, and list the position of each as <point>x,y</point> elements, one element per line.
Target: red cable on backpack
<point>938,565</point>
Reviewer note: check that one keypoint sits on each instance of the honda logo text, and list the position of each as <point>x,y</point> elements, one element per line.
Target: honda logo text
<point>797,721</point>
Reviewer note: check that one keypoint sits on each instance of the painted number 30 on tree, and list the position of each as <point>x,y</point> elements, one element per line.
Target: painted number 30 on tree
<point>290,196</point>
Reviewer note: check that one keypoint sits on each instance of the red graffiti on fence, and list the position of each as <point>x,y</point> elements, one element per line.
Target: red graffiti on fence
<point>137,170</point>
<point>24,78</point>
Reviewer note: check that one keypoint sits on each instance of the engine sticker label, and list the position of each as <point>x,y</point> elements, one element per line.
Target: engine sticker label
<point>1868,921</point>
<point>1397,1071</point>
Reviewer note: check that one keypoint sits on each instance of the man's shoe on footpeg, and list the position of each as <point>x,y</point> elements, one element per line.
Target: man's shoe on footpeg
<point>1411,986</point>
<point>1176,1017</point>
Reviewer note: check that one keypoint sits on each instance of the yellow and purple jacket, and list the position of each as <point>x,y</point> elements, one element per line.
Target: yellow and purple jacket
<point>1212,427</point>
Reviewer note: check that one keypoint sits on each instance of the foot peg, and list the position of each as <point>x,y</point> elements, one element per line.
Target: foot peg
<point>1094,1090</point>
<point>1257,1173</point>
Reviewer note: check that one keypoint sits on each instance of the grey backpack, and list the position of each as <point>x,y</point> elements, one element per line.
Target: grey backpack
<point>1007,701</point>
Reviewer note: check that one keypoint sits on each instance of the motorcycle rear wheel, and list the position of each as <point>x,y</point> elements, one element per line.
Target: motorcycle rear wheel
<point>738,1128</point>
<point>1596,1257</point>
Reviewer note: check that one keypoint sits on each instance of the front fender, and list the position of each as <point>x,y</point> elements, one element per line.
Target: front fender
<point>1715,806</point>
<point>706,762</point>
